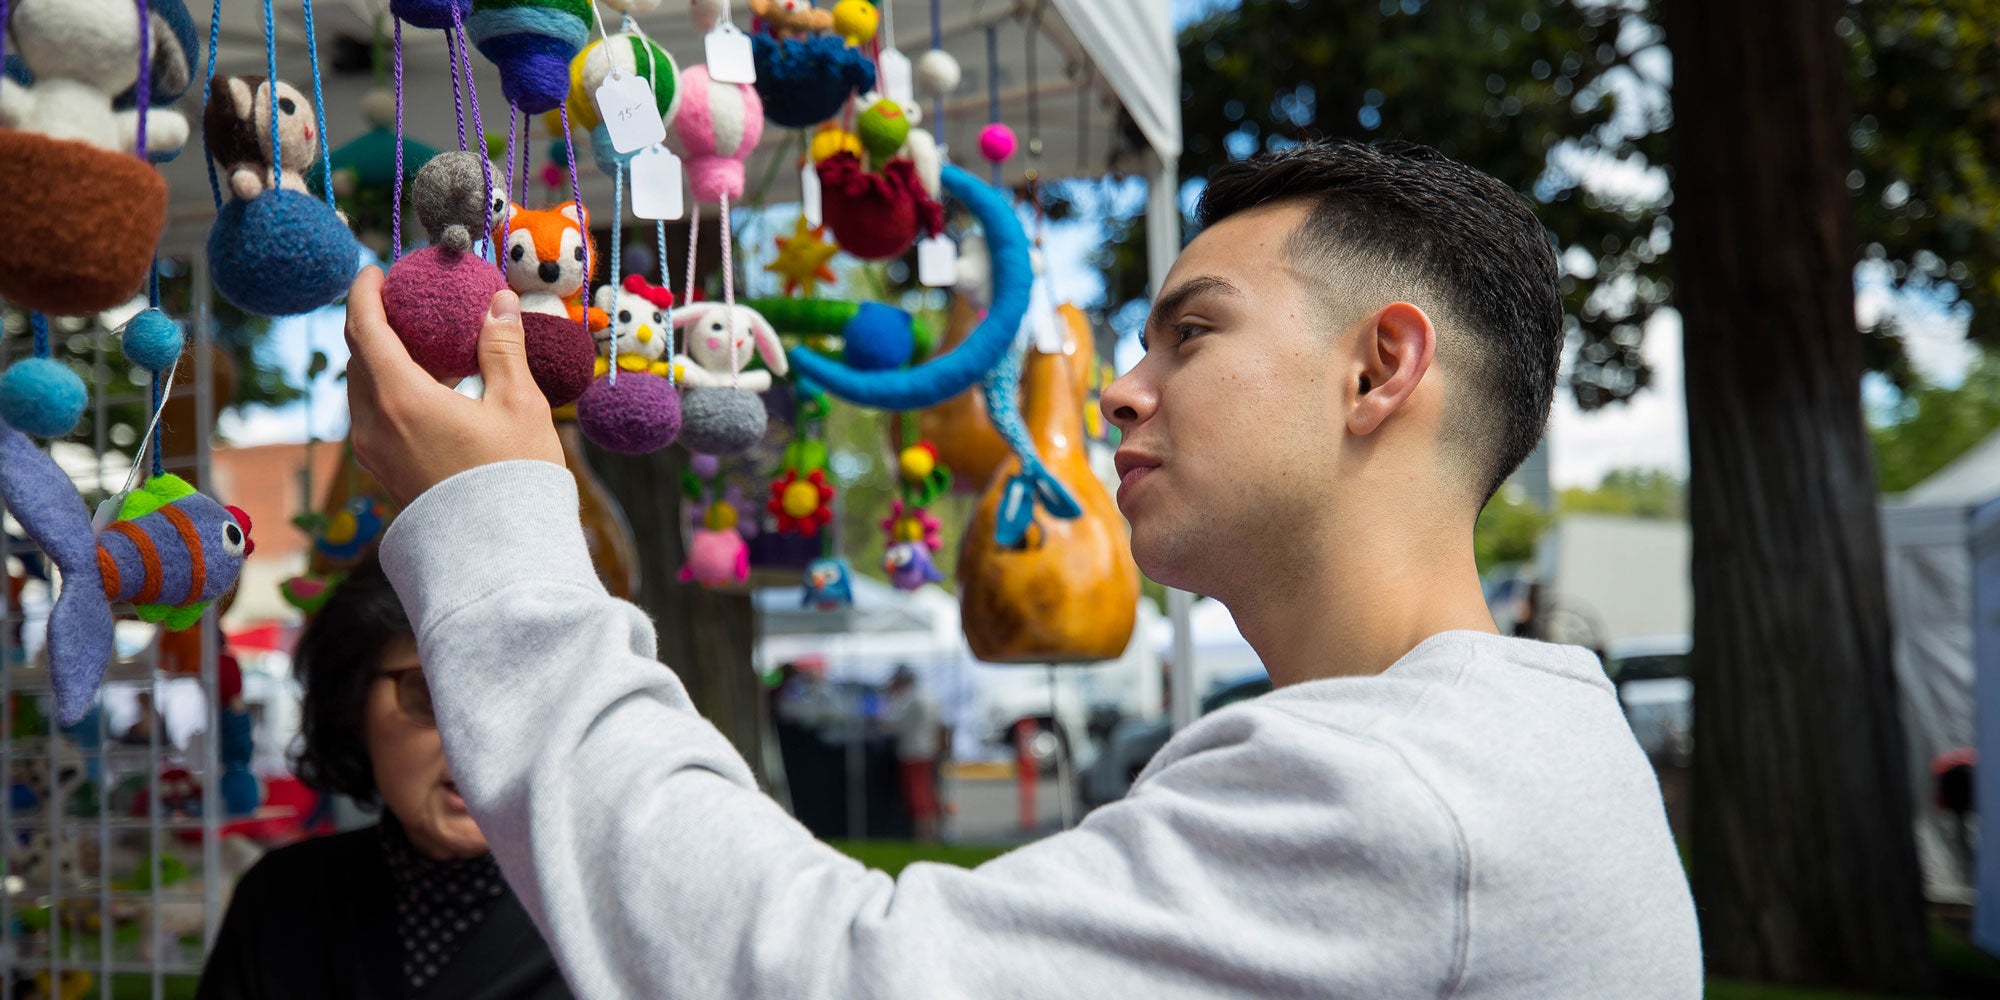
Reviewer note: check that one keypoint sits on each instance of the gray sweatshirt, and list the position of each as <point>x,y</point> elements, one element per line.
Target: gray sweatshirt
<point>1475,822</point>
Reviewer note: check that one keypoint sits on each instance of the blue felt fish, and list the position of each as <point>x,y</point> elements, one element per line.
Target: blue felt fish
<point>828,585</point>
<point>170,552</point>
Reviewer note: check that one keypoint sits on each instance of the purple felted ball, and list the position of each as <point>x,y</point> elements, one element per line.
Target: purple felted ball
<point>432,14</point>
<point>561,354</point>
<point>437,300</point>
<point>704,465</point>
<point>637,415</point>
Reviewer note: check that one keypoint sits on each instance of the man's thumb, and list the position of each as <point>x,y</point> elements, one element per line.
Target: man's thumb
<point>503,345</point>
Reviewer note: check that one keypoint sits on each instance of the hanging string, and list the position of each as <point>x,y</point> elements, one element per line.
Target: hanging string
<point>993,86</point>
<point>694,238</point>
<point>271,80</point>
<point>3,37</point>
<point>396,208</point>
<point>207,84</point>
<point>618,215</point>
<point>457,98</point>
<point>142,91</point>
<point>153,282</point>
<point>160,408</point>
<point>479,132</point>
<point>513,127</point>
<point>729,294</point>
<point>576,195</point>
<point>319,106</point>
<point>527,141</point>
<point>667,282</point>
<point>41,325</point>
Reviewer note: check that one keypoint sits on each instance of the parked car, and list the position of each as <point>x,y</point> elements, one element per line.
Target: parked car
<point>1657,695</point>
<point>1133,742</point>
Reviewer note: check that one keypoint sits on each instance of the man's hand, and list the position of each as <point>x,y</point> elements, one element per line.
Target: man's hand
<point>413,433</point>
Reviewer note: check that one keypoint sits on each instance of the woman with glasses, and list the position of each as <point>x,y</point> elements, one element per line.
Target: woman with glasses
<point>412,907</point>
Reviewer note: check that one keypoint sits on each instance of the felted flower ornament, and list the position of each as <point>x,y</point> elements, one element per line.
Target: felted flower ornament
<point>802,504</point>
<point>912,524</point>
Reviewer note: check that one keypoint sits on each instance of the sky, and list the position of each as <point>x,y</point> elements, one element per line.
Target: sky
<point>1649,431</point>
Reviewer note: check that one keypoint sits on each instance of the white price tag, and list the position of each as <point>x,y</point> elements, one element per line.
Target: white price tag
<point>937,262</point>
<point>897,82</point>
<point>1047,332</point>
<point>729,58</point>
<point>809,194</point>
<point>630,114</point>
<point>657,192</point>
<point>107,512</point>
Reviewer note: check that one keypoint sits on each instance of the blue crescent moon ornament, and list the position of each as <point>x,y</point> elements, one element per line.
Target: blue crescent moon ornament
<point>949,374</point>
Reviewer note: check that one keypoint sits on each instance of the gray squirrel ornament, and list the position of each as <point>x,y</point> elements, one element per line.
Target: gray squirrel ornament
<point>456,200</point>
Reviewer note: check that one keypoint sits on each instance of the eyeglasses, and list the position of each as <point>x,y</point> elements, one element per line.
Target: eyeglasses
<point>413,694</point>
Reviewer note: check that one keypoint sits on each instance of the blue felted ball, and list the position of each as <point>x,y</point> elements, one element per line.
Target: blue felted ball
<point>41,396</point>
<point>878,338</point>
<point>805,81</point>
<point>281,253</point>
<point>153,341</point>
<point>608,158</point>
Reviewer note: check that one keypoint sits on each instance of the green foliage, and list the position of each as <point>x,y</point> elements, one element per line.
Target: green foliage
<point>892,856</point>
<point>1934,425</point>
<point>1507,530</point>
<point>1651,493</point>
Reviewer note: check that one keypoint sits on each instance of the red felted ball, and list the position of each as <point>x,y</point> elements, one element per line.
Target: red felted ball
<point>638,414</point>
<point>876,216</point>
<point>561,354</point>
<point>437,300</point>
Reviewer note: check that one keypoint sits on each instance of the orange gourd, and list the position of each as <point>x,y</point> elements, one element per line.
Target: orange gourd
<point>1071,594</point>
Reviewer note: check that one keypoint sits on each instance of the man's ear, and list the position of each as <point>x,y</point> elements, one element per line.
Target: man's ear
<point>1392,353</point>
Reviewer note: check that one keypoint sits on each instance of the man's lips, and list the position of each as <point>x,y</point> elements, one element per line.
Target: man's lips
<point>1132,466</point>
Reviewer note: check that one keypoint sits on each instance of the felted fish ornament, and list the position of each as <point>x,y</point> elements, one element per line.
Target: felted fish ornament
<point>169,553</point>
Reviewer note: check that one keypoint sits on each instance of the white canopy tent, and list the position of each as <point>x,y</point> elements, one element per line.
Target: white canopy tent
<point>1941,554</point>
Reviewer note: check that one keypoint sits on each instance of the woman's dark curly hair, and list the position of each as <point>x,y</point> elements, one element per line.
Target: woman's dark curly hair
<point>336,661</point>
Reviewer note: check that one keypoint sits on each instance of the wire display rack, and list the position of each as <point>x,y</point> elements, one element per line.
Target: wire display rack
<point>113,881</point>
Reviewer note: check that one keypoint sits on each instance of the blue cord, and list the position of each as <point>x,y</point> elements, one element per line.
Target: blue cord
<point>992,84</point>
<point>153,282</point>
<point>207,85</point>
<point>319,108</point>
<point>667,282</point>
<point>159,431</point>
<point>41,324</point>
<point>271,59</point>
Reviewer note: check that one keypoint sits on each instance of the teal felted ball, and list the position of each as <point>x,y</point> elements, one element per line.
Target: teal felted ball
<point>41,396</point>
<point>607,156</point>
<point>153,340</point>
<point>878,338</point>
<point>281,253</point>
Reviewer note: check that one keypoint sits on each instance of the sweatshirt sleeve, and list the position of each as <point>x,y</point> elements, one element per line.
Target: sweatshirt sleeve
<point>636,836</point>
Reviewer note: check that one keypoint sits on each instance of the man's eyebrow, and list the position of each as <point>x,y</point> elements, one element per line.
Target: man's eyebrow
<point>1170,303</point>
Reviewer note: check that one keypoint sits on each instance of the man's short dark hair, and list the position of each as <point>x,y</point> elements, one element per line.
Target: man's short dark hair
<point>1406,221</point>
<point>336,662</point>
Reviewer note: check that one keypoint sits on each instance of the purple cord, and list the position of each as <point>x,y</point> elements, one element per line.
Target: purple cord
<point>576,194</point>
<point>457,98</point>
<point>3,37</point>
<point>143,90</point>
<point>396,208</point>
<point>513,125</point>
<point>478,130</point>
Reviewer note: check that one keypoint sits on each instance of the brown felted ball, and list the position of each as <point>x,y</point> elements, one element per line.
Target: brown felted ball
<point>562,356</point>
<point>82,224</point>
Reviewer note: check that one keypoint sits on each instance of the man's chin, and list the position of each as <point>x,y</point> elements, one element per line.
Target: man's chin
<point>1165,563</point>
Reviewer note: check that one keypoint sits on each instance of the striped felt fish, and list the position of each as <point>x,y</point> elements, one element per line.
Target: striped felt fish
<point>170,553</point>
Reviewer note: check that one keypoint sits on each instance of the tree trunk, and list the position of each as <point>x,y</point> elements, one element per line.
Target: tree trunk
<point>705,636</point>
<point>1803,863</point>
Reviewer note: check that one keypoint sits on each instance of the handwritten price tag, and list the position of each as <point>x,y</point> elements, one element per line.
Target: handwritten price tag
<point>630,114</point>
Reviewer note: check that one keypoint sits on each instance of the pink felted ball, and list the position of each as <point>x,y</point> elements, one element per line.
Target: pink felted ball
<point>637,415</point>
<point>718,126</point>
<point>561,355</point>
<point>436,300</point>
<point>996,142</point>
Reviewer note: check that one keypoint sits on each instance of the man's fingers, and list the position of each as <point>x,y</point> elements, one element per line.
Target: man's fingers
<point>503,348</point>
<point>371,343</point>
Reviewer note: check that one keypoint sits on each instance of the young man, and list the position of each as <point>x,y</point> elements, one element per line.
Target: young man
<point>1357,348</point>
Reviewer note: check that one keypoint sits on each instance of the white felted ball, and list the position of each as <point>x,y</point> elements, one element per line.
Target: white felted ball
<point>938,72</point>
<point>634,7</point>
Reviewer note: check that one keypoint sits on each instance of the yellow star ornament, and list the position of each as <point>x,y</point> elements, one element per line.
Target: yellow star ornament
<point>802,258</point>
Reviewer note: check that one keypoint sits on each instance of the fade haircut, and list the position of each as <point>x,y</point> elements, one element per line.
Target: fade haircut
<point>1397,221</point>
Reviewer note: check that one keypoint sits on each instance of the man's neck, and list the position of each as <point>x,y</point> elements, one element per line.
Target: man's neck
<point>1357,612</point>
